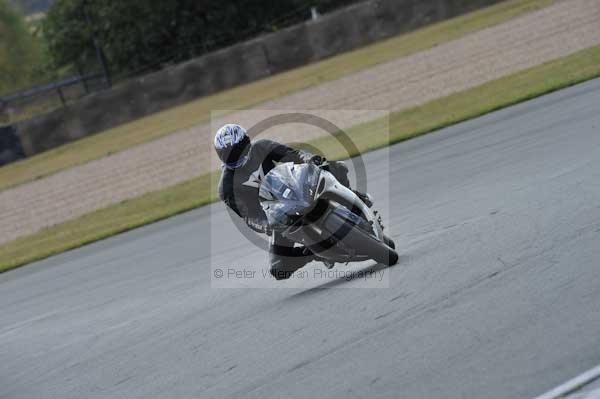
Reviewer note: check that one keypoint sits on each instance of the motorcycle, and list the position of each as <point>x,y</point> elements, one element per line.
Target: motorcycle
<point>308,205</point>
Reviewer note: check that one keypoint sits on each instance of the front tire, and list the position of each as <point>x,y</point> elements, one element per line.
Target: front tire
<point>389,242</point>
<point>365,244</point>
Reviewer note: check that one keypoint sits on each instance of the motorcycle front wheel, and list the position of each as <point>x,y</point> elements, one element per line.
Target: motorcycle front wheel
<point>363,243</point>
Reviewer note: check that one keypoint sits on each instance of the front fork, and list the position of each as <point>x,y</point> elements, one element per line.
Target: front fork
<point>334,189</point>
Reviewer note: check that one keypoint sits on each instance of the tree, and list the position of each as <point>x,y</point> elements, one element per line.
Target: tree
<point>142,35</point>
<point>29,7</point>
<point>20,54</point>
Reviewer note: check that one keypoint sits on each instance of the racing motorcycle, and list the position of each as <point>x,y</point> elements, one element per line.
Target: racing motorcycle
<point>308,205</point>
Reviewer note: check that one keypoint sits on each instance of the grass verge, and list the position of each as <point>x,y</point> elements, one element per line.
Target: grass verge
<point>198,111</point>
<point>431,116</point>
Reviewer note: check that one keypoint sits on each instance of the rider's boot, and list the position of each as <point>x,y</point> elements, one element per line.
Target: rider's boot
<point>328,264</point>
<point>283,267</point>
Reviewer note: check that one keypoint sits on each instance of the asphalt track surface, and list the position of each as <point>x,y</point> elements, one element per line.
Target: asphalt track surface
<point>497,293</point>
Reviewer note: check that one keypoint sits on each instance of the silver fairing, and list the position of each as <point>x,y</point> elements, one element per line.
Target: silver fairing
<point>334,190</point>
<point>299,200</point>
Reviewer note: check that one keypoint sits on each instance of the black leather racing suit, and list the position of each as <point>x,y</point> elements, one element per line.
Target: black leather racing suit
<point>238,189</point>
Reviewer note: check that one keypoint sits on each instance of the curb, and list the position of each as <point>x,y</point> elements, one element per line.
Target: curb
<point>573,385</point>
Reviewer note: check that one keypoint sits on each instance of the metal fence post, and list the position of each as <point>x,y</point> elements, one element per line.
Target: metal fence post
<point>83,80</point>
<point>61,95</point>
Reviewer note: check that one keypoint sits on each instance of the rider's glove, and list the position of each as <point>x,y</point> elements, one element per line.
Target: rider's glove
<point>258,225</point>
<point>317,160</point>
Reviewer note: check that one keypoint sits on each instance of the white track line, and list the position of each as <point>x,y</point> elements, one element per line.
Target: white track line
<point>572,385</point>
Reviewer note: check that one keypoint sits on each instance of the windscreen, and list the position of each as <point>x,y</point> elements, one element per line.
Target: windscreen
<point>289,182</point>
<point>287,191</point>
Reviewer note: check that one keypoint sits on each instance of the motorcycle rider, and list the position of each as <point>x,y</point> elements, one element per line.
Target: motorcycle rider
<point>244,166</point>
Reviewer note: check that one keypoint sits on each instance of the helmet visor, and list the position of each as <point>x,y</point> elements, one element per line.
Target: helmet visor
<point>234,155</point>
<point>237,164</point>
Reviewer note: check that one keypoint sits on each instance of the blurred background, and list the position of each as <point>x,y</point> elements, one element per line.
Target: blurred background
<point>56,51</point>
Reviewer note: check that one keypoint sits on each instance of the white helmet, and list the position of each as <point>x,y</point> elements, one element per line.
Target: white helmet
<point>232,144</point>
